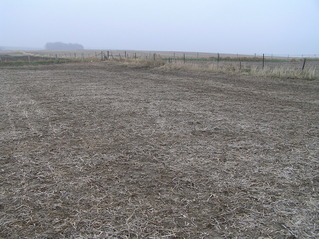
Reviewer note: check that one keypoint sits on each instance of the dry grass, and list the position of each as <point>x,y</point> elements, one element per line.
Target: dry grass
<point>139,62</point>
<point>286,72</point>
<point>278,71</point>
<point>105,151</point>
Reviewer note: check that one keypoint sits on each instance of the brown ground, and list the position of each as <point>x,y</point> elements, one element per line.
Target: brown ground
<point>106,151</point>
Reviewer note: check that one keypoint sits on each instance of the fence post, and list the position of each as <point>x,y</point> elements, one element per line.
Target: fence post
<point>304,64</point>
<point>154,56</point>
<point>218,57</point>
<point>184,58</point>
<point>263,61</point>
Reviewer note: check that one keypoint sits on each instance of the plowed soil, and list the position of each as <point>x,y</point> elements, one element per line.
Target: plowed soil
<point>106,151</point>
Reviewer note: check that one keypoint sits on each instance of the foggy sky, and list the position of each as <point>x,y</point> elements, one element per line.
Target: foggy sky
<point>225,26</point>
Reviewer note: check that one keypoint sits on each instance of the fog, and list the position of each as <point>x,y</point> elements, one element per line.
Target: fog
<point>225,26</point>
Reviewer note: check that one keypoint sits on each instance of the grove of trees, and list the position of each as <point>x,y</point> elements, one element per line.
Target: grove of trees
<point>63,46</point>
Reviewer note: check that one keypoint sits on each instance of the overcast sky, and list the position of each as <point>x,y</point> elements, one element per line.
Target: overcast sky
<point>225,26</point>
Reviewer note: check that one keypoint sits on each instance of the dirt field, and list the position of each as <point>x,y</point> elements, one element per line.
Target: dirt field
<point>106,151</point>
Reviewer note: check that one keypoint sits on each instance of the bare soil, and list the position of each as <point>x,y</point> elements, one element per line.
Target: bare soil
<point>106,151</point>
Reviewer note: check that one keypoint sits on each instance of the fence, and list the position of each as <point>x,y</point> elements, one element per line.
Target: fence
<point>237,61</point>
<point>269,61</point>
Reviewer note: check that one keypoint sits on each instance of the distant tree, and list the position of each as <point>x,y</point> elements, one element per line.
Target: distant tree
<point>63,46</point>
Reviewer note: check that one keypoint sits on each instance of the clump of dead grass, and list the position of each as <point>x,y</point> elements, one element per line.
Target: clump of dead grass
<point>229,67</point>
<point>279,72</point>
<point>139,62</point>
<point>286,72</point>
<point>196,67</point>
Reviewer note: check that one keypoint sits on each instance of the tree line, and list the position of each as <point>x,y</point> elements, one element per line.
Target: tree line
<point>63,46</point>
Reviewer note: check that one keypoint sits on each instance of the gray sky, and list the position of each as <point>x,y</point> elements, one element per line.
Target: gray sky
<point>225,26</point>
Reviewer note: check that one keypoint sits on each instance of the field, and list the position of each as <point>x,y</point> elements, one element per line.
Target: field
<point>102,150</point>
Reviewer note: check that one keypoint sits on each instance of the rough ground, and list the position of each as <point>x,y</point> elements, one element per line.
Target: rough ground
<point>106,151</point>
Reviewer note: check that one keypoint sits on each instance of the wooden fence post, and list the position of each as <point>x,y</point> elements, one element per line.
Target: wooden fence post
<point>263,61</point>
<point>184,58</point>
<point>218,57</point>
<point>304,64</point>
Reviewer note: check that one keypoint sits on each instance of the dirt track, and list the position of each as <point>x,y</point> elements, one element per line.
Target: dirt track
<point>105,151</point>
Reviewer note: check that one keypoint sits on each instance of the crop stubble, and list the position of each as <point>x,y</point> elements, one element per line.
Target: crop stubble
<point>106,151</point>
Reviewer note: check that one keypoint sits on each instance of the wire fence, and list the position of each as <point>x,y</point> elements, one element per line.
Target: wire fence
<point>301,62</point>
<point>269,61</point>
<point>297,62</point>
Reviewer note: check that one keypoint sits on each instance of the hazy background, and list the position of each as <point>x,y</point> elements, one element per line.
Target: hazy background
<point>225,26</point>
